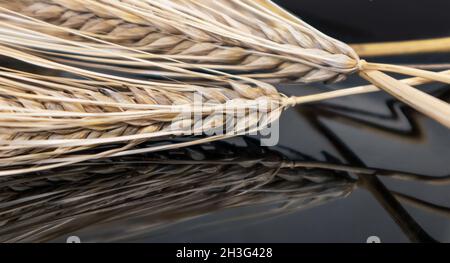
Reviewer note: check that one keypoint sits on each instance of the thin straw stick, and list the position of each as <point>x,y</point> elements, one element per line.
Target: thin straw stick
<point>402,48</point>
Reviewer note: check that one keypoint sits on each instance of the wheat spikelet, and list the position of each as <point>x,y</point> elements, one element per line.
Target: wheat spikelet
<point>164,188</point>
<point>259,29</point>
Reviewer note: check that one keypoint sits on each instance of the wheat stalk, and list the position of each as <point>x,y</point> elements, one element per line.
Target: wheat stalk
<point>260,30</point>
<point>165,188</point>
<point>411,47</point>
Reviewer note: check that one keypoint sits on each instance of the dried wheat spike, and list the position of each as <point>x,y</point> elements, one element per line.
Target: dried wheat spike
<point>277,50</point>
<point>256,33</point>
<point>49,120</point>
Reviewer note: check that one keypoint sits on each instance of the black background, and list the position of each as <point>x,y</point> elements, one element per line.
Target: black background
<point>374,20</point>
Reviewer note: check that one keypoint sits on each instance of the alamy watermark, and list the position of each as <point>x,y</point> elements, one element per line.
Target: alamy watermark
<point>259,117</point>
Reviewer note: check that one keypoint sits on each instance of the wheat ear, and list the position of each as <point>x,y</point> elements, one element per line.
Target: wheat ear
<point>259,27</point>
<point>106,21</point>
<point>44,117</point>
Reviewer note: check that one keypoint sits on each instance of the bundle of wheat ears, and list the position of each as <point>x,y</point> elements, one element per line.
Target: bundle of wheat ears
<point>127,69</point>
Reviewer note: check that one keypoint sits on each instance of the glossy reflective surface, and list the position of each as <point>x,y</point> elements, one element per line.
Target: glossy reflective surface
<point>231,193</point>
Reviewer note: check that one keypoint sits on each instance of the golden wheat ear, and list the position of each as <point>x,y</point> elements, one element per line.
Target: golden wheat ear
<point>256,39</point>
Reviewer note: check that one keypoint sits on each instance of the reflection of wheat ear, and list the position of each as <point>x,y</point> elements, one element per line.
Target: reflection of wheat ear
<point>164,188</point>
<point>239,36</point>
<point>122,25</point>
